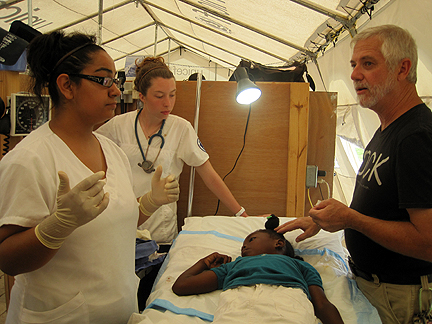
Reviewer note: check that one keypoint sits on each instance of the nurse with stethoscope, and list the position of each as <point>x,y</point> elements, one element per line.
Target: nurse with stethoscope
<point>151,136</point>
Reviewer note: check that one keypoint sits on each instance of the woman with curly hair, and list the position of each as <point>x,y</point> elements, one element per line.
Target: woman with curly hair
<point>68,213</point>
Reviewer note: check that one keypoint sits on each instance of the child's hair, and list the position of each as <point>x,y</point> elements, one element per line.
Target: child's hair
<point>148,69</point>
<point>287,249</point>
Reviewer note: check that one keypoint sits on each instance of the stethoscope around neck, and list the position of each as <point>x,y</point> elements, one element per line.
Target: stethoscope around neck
<point>147,165</point>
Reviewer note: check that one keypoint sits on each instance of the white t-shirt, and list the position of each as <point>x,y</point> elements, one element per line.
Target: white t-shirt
<point>91,279</point>
<point>181,146</point>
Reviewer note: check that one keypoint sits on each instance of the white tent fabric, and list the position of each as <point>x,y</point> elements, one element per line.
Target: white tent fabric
<point>212,36</point>
<point>222,31</point>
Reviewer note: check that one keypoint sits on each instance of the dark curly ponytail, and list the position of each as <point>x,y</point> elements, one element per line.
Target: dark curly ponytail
<point>50,55</point>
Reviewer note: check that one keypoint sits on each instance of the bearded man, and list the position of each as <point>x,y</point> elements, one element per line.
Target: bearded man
<point>388,226</point>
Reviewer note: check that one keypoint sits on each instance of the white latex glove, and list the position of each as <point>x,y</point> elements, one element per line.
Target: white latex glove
<point>75,207</point>
<point>164,191</point>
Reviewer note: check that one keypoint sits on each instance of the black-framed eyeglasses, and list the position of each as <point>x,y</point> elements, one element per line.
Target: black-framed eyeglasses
<point>105,81</point>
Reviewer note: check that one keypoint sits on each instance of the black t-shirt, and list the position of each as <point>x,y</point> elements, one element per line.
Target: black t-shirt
<point>396,174</point>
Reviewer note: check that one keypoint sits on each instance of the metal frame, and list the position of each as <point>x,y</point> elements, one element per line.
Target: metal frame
<point>347,22</point>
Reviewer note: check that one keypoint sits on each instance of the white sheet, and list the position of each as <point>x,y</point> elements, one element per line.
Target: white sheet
<point>203,235</point>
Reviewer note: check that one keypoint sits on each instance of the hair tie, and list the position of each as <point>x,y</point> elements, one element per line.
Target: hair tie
<point>64,57</point>
<point>153,68</point>
<point>272,222</point>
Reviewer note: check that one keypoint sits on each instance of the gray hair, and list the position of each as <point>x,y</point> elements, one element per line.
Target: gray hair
<point>397,44</point>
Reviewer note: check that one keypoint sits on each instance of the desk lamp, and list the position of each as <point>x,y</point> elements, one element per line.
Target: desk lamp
<point>247,91</point>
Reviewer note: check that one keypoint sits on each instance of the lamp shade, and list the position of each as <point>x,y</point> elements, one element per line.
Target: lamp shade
<point>247,91</point>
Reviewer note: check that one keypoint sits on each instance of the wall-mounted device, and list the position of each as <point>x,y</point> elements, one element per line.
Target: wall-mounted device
<point>128,93</point>
<point>27,113</point>
<point>312,174</point>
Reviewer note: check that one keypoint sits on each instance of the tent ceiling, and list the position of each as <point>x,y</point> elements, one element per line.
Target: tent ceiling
<point>270,32</point>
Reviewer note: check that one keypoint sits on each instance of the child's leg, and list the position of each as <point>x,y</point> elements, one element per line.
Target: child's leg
<point>264,304</point>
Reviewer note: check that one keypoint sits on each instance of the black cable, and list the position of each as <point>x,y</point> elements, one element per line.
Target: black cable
<point>319,187</point>
<point>6,144</point>
<point>121,75</point>
<point>319,71</point>
<point>238,157</point>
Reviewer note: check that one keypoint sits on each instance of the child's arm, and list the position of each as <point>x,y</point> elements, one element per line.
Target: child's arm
<point>324,309</point>
<point>197,280</point>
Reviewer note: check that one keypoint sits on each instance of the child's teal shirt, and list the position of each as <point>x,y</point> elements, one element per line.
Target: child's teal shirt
<point>271,269</point>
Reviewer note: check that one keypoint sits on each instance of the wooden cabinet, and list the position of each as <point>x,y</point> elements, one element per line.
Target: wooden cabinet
<point>270,174</point>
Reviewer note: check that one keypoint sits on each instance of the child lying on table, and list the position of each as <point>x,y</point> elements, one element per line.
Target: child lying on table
<point>267,284</point>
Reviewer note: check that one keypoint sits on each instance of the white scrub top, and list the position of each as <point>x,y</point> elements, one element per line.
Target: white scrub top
<point>91,279</point>
<point>181,146</point>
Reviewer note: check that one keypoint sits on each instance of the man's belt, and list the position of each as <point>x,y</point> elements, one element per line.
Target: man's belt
<point>397,280</point>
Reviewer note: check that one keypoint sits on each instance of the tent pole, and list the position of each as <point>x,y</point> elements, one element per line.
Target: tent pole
<point>215,71</point>
<point>169,50</point>
<point>30,12</point>
<point>155,42</point>
<point>100,15</point>
<point>192,172</point>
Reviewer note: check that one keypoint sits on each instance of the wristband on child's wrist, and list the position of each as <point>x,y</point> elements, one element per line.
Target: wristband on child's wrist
<point>240,212</point>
